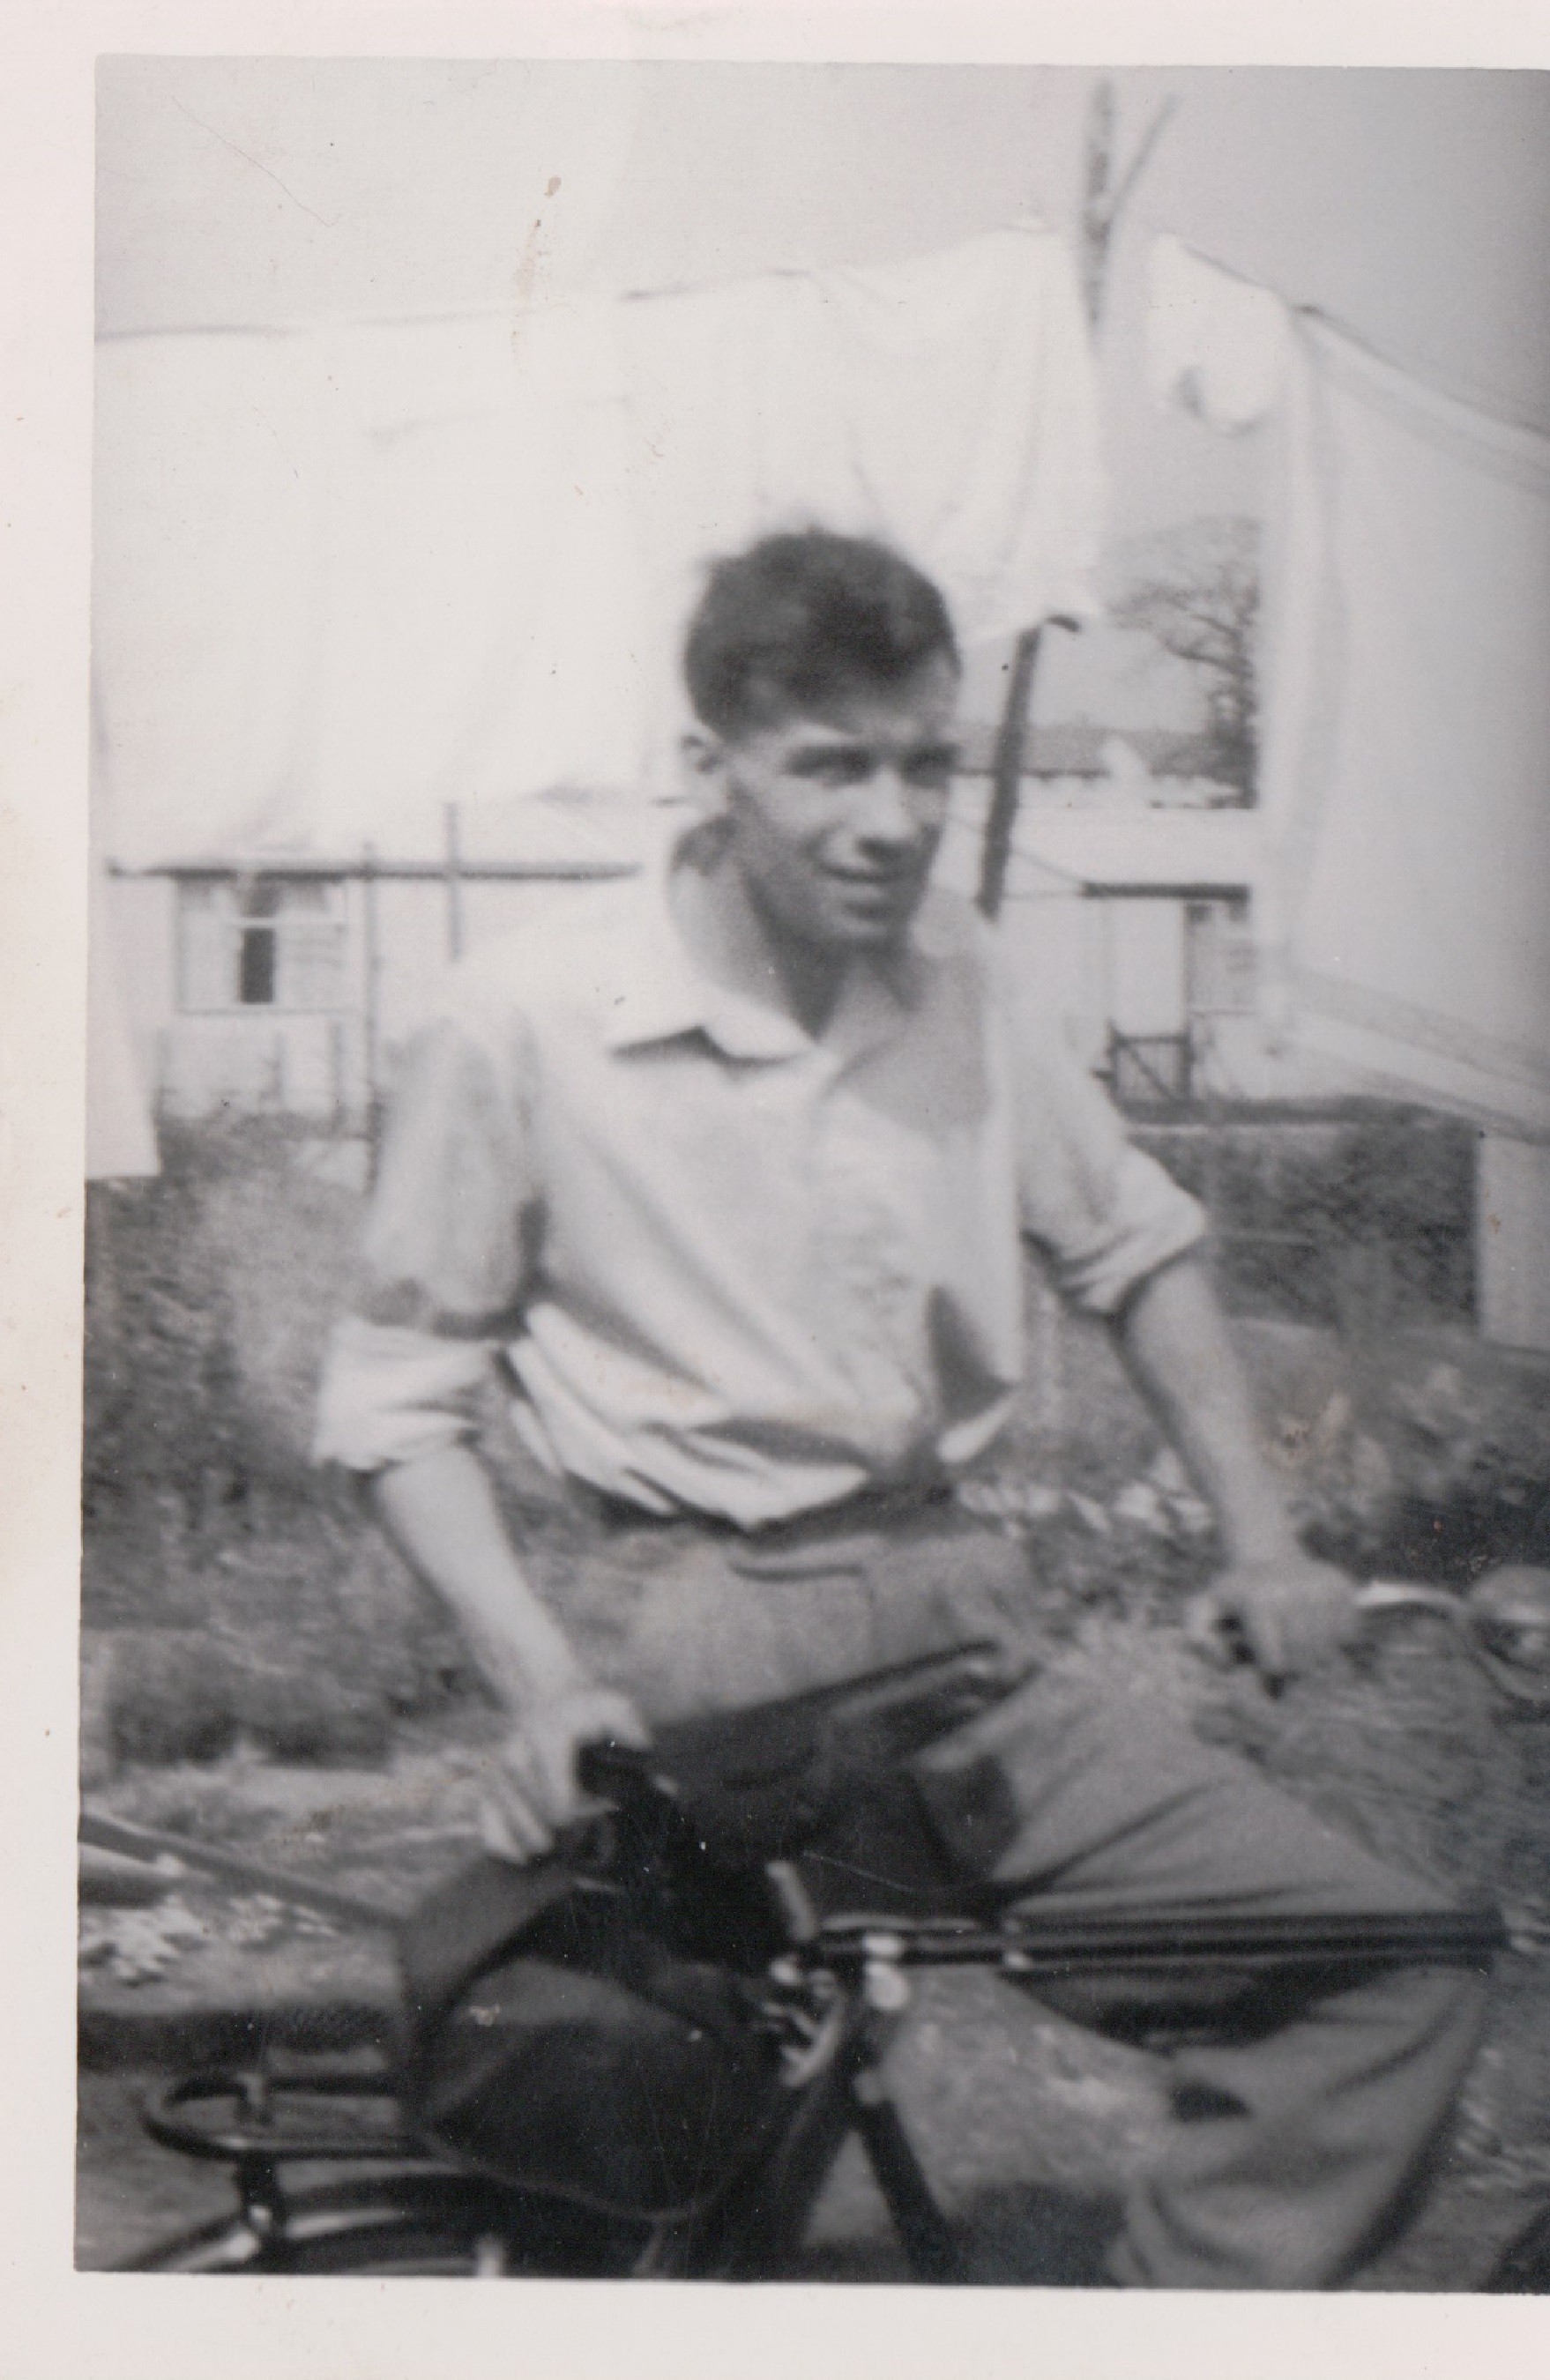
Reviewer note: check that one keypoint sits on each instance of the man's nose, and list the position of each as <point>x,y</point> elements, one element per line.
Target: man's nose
<point>885,814</point>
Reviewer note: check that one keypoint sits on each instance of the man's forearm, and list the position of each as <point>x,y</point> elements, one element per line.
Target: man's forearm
<point>441,1512</point>
<point>1174,1340</point>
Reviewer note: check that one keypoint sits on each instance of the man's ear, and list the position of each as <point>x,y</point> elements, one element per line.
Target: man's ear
<point>703,757</point>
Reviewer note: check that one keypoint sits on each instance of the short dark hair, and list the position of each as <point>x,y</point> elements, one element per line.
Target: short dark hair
<point>801,615</point>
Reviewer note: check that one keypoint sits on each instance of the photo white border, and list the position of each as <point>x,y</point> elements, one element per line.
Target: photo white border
<point>56,2325</point>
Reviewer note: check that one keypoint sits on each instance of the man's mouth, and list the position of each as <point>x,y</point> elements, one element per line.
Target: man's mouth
<point>882,884</point>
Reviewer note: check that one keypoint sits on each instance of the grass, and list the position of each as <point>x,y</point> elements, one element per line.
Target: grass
<point>238,1590</point>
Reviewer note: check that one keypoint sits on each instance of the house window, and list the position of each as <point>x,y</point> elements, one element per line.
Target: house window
<point>261,942</point>
<point>1221,963</point>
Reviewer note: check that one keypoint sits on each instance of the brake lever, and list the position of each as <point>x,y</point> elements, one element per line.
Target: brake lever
<point>1504,1627</point>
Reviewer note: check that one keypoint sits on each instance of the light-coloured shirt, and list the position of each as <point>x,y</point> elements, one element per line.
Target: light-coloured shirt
<point>732,1269</point>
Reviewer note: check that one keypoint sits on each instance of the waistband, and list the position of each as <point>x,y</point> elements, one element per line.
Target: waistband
<point>873,1511</point>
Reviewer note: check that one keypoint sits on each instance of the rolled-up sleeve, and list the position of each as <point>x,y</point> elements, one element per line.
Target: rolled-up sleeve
<point>444,1256</point>
<point>1104,1215</point>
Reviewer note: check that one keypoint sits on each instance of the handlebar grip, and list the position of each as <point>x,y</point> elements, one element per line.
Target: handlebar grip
<point>615,1772</point>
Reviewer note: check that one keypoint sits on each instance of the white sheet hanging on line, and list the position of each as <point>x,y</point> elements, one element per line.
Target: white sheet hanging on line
<point>482,566</point>
<point>1215,344</point>
<point>207,582</point>
<point>347,576</point>
<point>1404,741</point>
<point>1406,749</point>
<point>344,577</point>
<point>948,404</point>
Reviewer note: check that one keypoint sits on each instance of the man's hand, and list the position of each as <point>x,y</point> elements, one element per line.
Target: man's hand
<point>1291,1613</point>
<point>533,1791</point>
<point>441,1512</point>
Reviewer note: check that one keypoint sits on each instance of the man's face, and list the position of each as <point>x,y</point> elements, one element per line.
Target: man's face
<point>835,814</point>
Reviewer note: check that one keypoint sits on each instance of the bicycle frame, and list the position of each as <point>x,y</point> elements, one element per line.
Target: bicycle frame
<point>839,1989</point>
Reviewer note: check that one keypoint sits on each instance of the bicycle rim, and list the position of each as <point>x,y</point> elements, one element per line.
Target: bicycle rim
<point>414,2227</point>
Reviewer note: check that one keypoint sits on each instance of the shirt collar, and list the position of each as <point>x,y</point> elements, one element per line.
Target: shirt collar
<point>659,993</point>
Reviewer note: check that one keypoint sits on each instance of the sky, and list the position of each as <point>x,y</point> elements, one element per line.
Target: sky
<point>1413,205</point>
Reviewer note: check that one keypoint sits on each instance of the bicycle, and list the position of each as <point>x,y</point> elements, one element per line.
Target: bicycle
<point>830,1985</point>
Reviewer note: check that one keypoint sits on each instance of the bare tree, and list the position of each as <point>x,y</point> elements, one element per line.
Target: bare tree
<point>1196,592</point>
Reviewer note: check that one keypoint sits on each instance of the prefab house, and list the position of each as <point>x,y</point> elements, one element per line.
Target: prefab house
<point>285,982</point>
<point>1135,926</point>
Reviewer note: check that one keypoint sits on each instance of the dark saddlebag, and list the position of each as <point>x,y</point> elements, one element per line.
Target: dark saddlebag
<point>559,2043</point>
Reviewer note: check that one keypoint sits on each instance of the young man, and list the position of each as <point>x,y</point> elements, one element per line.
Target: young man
<point>733,1172</point>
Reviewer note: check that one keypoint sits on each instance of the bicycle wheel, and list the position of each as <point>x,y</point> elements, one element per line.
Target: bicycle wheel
<point>426,2226</point>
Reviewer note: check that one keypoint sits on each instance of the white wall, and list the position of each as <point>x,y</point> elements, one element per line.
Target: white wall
<point>1512,1241</point>
<point>262,1061</point>
<point>144,909</point>
<point>1147,943</point>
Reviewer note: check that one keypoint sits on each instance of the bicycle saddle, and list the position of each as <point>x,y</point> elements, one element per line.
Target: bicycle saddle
<point>772,1779</point>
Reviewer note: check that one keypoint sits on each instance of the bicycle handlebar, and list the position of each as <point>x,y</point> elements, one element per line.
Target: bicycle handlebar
<point>1503,1624</point>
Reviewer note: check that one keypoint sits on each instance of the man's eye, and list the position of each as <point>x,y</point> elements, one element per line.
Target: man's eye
<point>841,768</point>
<point>931,774</point>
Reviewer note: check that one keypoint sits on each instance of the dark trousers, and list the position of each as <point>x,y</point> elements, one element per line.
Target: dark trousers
<point>1294,2148</point>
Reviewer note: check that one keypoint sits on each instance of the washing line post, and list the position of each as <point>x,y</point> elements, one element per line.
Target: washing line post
<point>1005,789</point>
<point>1047,1321</point>
<point>1011,738</point>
